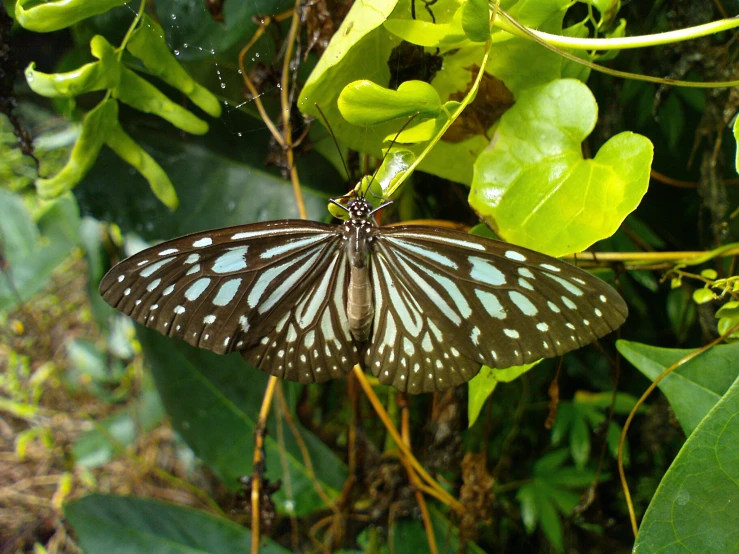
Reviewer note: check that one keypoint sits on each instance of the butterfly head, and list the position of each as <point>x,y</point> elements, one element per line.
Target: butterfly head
<point>358,231</point>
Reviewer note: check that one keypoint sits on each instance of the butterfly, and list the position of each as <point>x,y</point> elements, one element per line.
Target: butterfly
<point>422,308</point>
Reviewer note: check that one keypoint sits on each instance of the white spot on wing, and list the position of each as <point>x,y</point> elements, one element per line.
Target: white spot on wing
<point>168,251</point>
<point>543,327</point>
<point>233,260</point>
<point>513,255</point>
<point>523,303</point>
<point>155,267</point>
<point>491,304</point>
<point>179,310</point>
<point>192,258</point>
<point>205,241</point>
<point>208,319</point>
<point>485,272</point>
<point>227,292</point>
<point>197,288</point>
<point>512,333</point>
<point>154,284</point>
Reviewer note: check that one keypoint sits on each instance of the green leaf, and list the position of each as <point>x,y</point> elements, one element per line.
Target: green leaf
<point>90,77</point>
<point>214,402</point>
<point>409,535</point>
<point>95,127</point>
<point>18,232</point>
<point>533,185</point>
<point>359,50</point>
<point>214,189</point>
<point>476,20</point>
<point>428,34</point>
<point>114,433</point>
<point>547,494</point>
<point>695,508</point>
<point>125,525</point>
<point>482,386</point>
<point>134,155</point>
<point>147,44</point>
<point>139,93</point>
<point>702,296</point>
<point>366,103</point>
<point>59,14</point>
<point>694,387</point>
<point>35,254</point>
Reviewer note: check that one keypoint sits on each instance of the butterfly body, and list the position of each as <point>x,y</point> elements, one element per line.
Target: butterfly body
<point>359,232</point>
<point>422,308</point>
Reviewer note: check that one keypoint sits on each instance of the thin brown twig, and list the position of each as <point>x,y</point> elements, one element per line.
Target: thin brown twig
<point>413,477</point>
<point>253,90</point>
<point>286,104</point>
<point>258,462</point>
<point>632,414</point>
<point>440,493</point>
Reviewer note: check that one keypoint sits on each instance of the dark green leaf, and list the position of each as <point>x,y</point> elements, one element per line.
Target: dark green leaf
<point>695,508</point>
<point>214,403</point>
<point>129,525</point>
<point>694,387</point>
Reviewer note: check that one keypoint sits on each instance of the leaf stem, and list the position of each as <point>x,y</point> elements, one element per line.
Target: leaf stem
<point>622,43</point>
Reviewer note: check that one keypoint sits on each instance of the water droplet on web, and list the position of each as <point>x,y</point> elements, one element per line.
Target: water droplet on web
<point>29,77</point>
<point>176,52</point>
<point>240,72</point>
<point>223,85</point>
<point>213,52</point>
<point>174,16</point>
<point>184,45</point>
<point>257,54</point>
<point>239,134</point>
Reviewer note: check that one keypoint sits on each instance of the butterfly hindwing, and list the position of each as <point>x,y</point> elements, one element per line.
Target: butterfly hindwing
<point>455,302</point>
<point>310,342</point>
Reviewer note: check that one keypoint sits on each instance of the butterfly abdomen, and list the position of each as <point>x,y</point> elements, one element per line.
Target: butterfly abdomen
<point>359,307</point>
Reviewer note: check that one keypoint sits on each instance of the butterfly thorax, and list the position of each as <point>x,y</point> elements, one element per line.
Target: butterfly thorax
<point>358,233</point>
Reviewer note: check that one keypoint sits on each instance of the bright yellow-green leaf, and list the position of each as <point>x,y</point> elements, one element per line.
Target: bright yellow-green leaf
<point>482,386</point>
<point>425,33</point>
<point>366,103</point>
<point>134,155</point>
<point>139,93</point>
<point>702,296</point>
<point>44,17</point>
<point>535,189</point>
<point>476,20</point>
<point>709,274</point>
<point>95,126</point>
<point>147,44</point>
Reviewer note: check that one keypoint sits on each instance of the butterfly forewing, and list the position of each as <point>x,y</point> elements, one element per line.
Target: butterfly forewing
<point>447,302</point>
<point>226,289</point>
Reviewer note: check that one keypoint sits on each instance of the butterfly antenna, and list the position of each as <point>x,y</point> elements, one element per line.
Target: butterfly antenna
<point>333,136</point>
<point>389,148</point>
